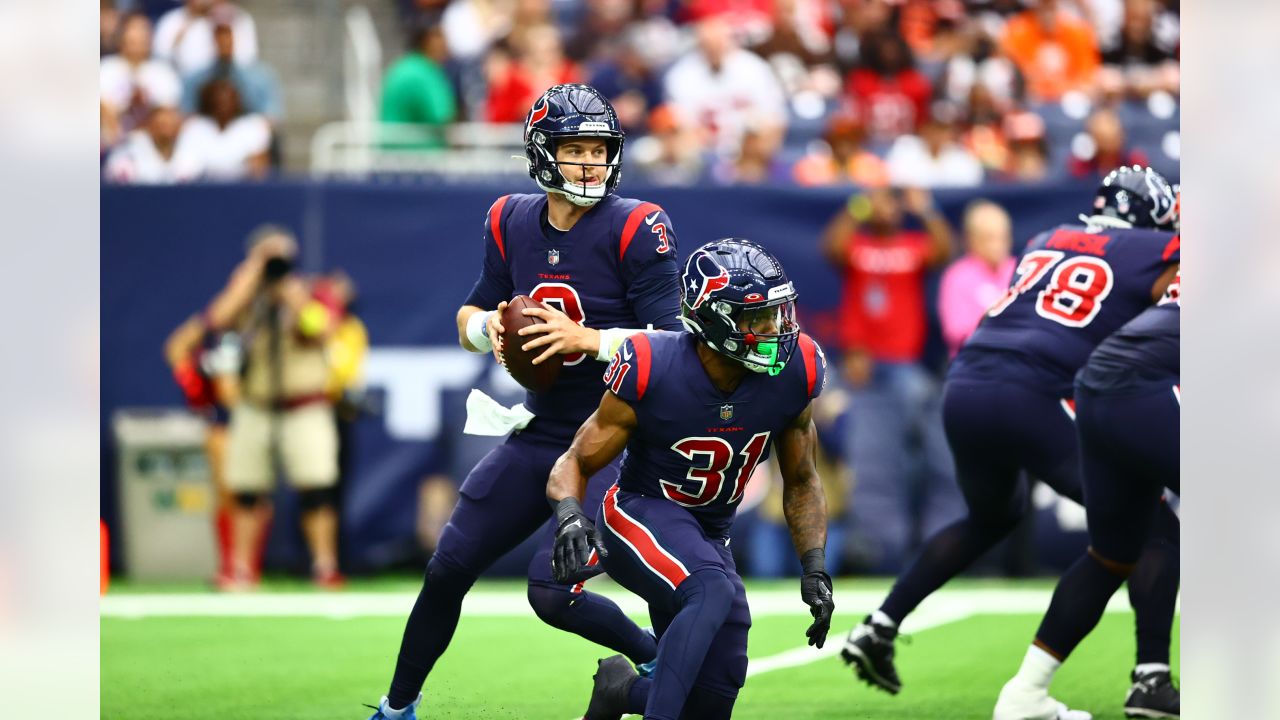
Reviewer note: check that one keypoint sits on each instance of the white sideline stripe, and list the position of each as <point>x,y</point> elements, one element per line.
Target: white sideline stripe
<point>344,605</point>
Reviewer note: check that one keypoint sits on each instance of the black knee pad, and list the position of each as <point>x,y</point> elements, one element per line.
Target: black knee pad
<point>712,588</point>
<point>248,500</point>
<point>549,602</point>
<point>447,579</point>
<point>310,500</point>
<point>703,704</point>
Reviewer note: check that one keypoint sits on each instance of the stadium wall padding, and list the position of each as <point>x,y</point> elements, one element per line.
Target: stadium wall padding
<point>414,251</point>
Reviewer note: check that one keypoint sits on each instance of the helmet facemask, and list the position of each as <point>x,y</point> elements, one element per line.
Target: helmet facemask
<point>761,336</point>
<point>551,177</point>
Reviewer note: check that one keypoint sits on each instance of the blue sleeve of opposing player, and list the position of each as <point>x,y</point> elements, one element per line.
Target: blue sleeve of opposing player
<point>494,284</point>
<point>628,373</point>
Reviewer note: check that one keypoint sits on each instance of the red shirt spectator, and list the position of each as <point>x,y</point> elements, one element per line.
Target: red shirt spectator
<point>514,85</point>
<point>892,96</point>
<point>883,305</point>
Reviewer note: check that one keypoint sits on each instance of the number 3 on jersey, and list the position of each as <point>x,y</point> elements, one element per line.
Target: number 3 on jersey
<point>565,299</point>
<point>710,458</point>
<point>1074,293</point>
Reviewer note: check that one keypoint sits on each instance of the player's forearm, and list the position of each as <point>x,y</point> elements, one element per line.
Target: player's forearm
<point>567,479</point>
<point>804,504</point>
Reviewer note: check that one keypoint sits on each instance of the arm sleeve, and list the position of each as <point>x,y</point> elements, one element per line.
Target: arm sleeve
<point>628,373</point>
<point>648,257</point>
<point>494,284</point>
<point>815,366</point>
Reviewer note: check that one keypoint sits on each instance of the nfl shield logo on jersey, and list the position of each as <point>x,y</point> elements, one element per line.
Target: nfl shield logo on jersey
<point>726,412</point>
<point>553,257</point>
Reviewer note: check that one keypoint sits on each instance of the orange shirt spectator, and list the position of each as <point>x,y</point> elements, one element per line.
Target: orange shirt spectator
<point>1055,50</point>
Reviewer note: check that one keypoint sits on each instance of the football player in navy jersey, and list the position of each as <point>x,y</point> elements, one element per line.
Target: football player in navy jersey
<point>1128,399</point>
<point>1007,402</point>
<point>606,266</point>
<point>695,413</point>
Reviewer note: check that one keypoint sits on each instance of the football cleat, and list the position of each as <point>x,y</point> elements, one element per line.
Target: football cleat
<point>1021,702</point>
<point>383,712</point>
<point>1153,695</point>
<point>612,684</point>
<point>869,649</point>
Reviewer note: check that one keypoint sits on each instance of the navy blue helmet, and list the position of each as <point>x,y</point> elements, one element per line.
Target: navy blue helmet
<point>567,112</point>
<point>1138,196</point>
<point>738,300</point>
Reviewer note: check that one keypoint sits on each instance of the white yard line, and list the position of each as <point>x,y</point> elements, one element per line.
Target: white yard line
<point>506,603</point>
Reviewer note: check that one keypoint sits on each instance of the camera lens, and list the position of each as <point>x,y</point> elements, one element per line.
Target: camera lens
<point>277,267</point>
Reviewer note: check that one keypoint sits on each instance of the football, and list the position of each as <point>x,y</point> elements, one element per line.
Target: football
<point>519,363</point>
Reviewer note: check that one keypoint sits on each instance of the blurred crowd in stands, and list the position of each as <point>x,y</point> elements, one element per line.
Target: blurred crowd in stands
<point>183,95</point>
<point>929,93</point>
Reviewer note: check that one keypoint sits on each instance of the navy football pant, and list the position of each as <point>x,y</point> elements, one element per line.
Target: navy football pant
<point>995,429</point>
<point>502,502</point>
<point>1129,447</point>
<point>698,605</point>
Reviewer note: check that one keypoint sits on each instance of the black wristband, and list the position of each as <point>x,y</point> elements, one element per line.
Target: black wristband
<point>814,560</point>
<point>567,508</point>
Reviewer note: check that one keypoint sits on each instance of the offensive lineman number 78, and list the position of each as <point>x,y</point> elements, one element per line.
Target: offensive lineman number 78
<point>1074,294</point>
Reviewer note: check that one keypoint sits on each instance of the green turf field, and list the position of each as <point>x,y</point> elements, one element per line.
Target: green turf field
<point>181,652</point>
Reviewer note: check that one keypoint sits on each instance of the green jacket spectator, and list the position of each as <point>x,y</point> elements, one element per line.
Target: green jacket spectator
<point>417,91</point>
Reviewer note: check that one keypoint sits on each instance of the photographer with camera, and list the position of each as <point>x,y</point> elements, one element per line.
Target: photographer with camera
<point>284,414</point>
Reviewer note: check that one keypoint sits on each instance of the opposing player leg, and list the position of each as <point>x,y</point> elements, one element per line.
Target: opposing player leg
<point>574,609</point>
<point>501,502</point>
<point>1125,443</point>
<point>659,551</point>
<point>975,419</point>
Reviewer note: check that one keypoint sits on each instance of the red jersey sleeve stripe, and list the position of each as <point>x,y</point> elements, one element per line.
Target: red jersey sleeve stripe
<point>1172,247</point>
<point>636,536</point>
<point>633,223</point>
<point>810,354</point>
<point>1068,407</point>
<point>495,224</point>
<point>644,356</point>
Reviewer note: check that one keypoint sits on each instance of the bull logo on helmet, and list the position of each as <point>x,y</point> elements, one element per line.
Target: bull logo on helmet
<point>708,282</point>
<point>539,112</point>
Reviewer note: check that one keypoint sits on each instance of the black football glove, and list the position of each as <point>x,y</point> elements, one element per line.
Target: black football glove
<point>576,537</point>
<point>815,589</point>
